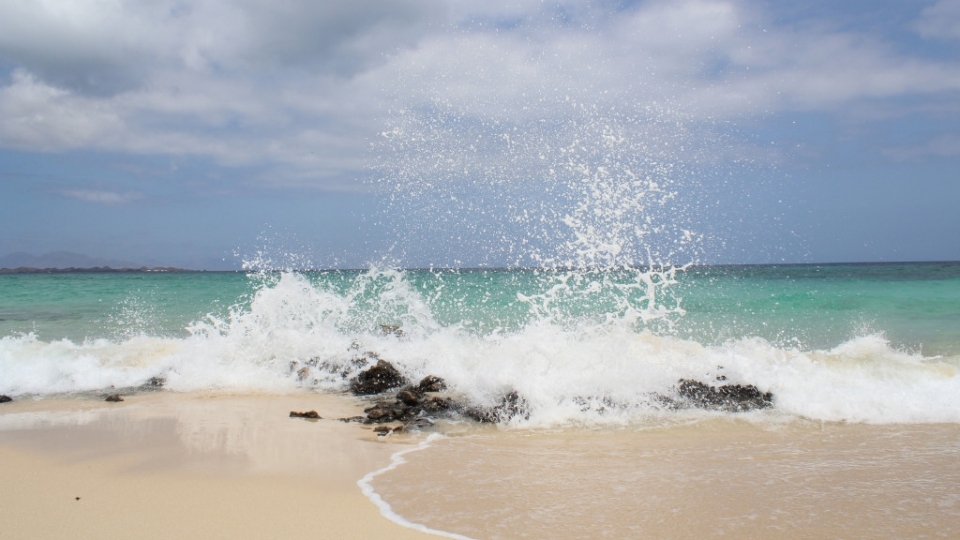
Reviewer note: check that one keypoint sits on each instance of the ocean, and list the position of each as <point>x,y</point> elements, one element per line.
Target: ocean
<point>874,343</point>
<point>861,363</point>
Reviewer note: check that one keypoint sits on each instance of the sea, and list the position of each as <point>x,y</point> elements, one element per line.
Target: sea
<point>862,363</point>
<point>872,343</point>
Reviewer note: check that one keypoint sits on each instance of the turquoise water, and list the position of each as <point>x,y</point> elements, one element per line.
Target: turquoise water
<point>114,305</point>
<point>831,341</point>
<point>916,305</point>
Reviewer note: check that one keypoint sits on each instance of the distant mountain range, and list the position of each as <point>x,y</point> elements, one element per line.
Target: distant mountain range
<point>62,259</point>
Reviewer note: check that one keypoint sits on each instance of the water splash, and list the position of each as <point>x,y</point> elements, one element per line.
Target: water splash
<point>572,355</point>
<point>594,188</point>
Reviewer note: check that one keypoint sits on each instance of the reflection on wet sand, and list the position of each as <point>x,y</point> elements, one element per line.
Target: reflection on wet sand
<point>169,465</point>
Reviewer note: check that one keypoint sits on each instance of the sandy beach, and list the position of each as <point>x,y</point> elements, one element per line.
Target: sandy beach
<point>713,478</point>
<point>165,465</point>
<point>172,465</point>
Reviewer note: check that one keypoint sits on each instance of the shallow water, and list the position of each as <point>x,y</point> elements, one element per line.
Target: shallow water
<point>714,479</point>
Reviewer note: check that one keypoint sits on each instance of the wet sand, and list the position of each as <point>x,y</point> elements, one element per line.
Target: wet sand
<point>715,479</point>
<point>163,465</point>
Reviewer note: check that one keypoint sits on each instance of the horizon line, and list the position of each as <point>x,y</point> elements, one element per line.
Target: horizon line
<point>171,269</point>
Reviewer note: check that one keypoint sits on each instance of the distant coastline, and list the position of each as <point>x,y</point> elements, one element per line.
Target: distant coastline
<point>67,262</point>
<point>93,270</point>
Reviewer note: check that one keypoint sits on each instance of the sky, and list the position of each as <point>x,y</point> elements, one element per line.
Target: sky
<point>203,134</point>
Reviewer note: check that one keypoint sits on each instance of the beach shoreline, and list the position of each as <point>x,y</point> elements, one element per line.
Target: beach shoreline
<point>170,465</point>
<point>720,477</point>
<point>165,464</point>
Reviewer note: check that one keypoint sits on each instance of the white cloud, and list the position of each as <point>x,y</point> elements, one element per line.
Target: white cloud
<point>107,46</point>
<point>712,59</point>
<point>37,116</point>
<point>941,20</point>
<point>301,87</point>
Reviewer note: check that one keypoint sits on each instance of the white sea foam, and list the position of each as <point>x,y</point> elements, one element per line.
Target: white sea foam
<point>584,373</point>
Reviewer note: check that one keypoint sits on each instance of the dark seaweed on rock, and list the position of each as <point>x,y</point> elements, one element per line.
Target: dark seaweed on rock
<point>728,397</point>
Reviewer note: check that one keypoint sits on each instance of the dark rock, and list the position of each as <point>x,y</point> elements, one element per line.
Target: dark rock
<point>389,329</point>
<point>432,383</point>
<point>152,384</point>
<point>5,399</point>
<point>357,419</point>
<point>728,397</point>
<point>420,422</point>
<point>601,404</point>
<point>408,397</point>
<point>113,398</point>
<point>383,431</point>
<point>336,368</point>
<point>308,414</point>
<point>303,373</point>
<point>512,405</point>
<point>381,411</point>
<point>436,405</point>
<point>384,412</point>
<point>377,379</point>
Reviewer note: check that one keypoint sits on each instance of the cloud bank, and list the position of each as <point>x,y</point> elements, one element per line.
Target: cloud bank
<point>301,88</point>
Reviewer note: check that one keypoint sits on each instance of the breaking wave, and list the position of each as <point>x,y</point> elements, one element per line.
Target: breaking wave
<point>580,349</point>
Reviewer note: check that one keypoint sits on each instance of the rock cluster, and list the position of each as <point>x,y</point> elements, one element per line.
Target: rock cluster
<point>417,405</point>
<point>727,397</point>
<point>410,405</point>
<point>396,400</point>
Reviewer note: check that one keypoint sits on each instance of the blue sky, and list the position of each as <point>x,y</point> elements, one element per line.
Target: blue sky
<point>420,133</point>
